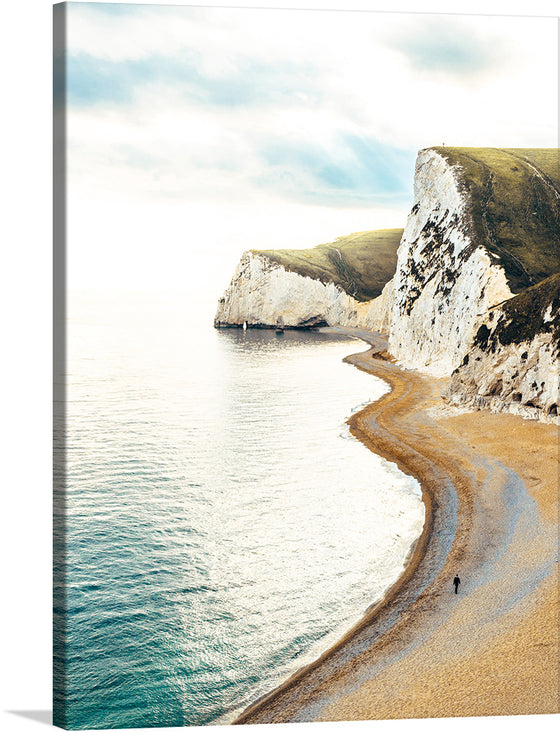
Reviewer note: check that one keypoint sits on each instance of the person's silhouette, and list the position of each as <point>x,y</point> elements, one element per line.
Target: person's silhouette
<point>456,582</point>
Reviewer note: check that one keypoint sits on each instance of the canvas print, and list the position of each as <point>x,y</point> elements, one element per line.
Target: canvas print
<point>306,365</point>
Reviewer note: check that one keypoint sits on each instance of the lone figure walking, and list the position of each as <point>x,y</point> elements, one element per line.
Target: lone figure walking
<point>456,582</point>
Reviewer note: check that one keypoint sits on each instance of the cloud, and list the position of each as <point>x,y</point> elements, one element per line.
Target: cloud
<point>448,53</point>
<point>237,118</point>
<point>447,45</point>
<point>353,169</point>
<point>92,80</point>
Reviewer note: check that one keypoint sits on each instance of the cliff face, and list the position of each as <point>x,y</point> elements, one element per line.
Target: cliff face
<point>340,283</point>
<point>444,278</point>
<point>513,362</point>
<point>263,293</point>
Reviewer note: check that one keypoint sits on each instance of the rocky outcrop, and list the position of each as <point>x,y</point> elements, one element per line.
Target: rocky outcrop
<point>263,294</point>
<point>513,362</point>
<point>445,278</point>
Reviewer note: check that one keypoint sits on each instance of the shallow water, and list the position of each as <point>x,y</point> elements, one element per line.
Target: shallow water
<point>222,526</point>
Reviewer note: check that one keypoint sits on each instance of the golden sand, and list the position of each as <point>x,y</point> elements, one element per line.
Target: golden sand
<point>490,487</point>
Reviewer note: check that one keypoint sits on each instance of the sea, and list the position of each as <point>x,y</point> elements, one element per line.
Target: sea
<point>217,526</point>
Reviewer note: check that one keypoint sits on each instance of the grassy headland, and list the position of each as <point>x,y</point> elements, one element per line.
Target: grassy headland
<point>361,264</point>
<point>515,206</point>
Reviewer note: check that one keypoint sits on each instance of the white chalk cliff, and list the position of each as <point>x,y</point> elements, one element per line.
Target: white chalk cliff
<point>444,279</point>
<point>262,294</point>
<point>513,367</point>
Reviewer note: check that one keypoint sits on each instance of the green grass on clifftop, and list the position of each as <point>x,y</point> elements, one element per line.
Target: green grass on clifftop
<point>361,264</point>
<point>515,206</point>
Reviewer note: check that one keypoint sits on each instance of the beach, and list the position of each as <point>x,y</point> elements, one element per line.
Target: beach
<point>490,489</point>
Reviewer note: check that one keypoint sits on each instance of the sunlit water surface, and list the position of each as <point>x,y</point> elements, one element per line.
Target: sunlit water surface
<point>222,526</point>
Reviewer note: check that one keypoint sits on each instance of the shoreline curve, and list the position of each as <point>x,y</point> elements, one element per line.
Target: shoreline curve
<point>468,527</point>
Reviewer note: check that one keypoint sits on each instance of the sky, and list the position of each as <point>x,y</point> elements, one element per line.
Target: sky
<point>196,133</point>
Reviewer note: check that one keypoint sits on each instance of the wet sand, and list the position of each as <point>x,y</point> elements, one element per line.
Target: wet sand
<point>490,488</point>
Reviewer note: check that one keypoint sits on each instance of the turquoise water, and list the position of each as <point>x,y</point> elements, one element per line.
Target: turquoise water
<point>222,527</point>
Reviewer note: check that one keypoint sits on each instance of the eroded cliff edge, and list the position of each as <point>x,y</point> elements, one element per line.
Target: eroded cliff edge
<point>513,362</point>
<point>345,282</point>
<point>483,232</point>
